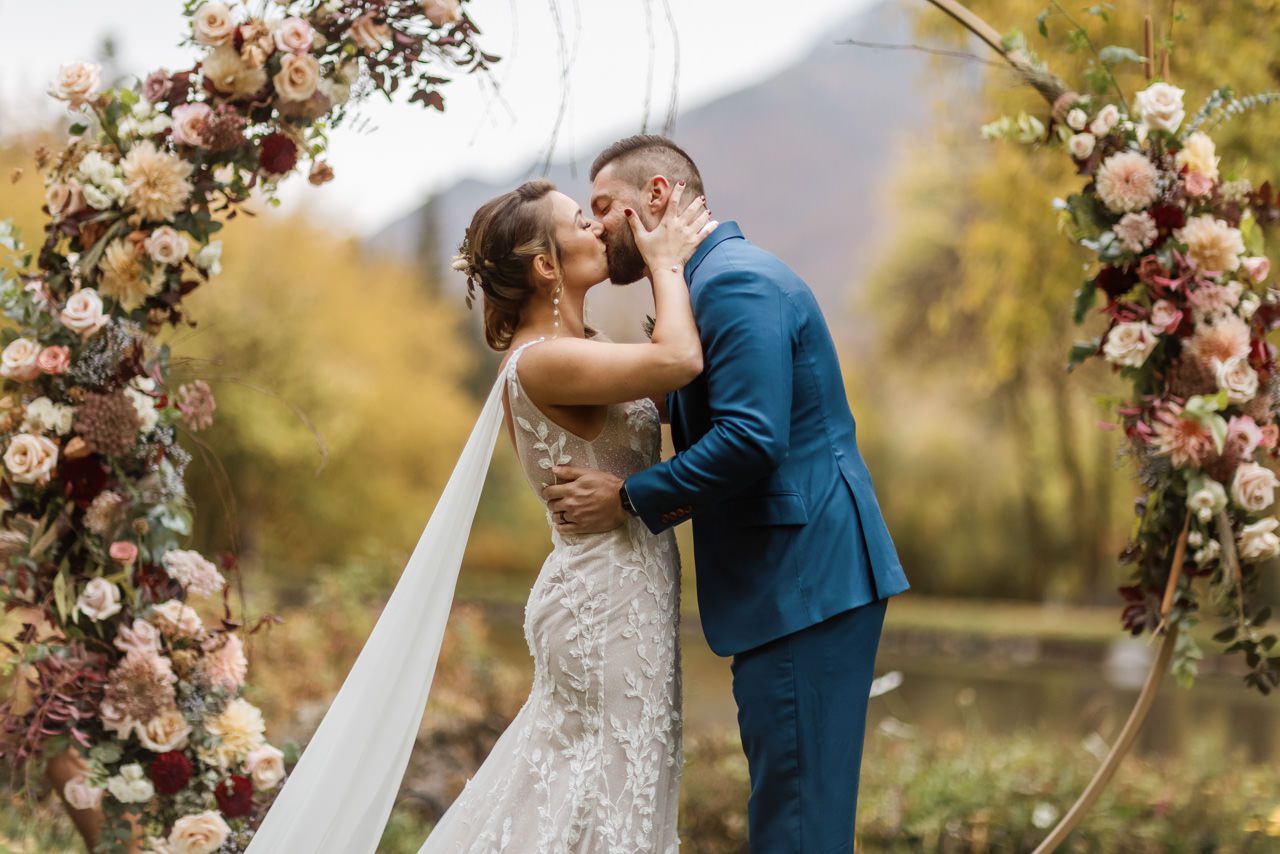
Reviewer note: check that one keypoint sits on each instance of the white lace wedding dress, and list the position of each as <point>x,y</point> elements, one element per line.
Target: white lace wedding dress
<point>592,761</point>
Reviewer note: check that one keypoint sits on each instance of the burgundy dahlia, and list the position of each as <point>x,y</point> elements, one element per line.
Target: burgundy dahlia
<point>234,795</point>
<point>170,772</point>
<point>279,154</point>
<point>1169,217</point>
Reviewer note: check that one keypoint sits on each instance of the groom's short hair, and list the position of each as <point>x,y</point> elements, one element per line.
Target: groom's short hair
<point>638,158</point>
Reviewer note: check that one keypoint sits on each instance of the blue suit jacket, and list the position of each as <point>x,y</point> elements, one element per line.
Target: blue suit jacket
<point>787,530</point>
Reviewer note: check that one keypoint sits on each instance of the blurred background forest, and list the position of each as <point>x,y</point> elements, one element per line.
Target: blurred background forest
<point>348,374</point>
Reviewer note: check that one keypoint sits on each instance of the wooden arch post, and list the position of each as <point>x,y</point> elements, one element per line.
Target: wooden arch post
<point>1051,88</point>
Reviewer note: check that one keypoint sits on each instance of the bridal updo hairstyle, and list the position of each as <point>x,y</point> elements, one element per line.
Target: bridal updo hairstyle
<point>504,237</point>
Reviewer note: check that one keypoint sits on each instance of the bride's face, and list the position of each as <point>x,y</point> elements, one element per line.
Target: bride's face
<point>582,258</point>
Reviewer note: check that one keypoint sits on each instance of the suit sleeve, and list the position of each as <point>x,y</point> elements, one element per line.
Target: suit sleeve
<point>744,324</point>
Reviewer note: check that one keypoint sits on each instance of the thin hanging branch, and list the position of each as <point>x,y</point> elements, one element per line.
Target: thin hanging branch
<point>652,56</point>
<point>933,51</point>
<point>669,125</point>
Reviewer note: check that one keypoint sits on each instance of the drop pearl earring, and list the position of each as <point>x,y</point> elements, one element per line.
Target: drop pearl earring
<point>555,310</point>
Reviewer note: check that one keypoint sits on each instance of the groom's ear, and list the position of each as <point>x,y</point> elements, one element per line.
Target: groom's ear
<point>659,192</point>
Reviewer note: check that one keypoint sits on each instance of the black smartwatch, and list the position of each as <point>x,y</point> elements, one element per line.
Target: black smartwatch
<point>626,501</point>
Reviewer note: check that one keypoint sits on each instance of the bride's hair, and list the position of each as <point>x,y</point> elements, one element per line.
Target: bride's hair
<point>504,237</point>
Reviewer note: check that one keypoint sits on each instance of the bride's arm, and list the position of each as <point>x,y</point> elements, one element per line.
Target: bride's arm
<point>573,371</point>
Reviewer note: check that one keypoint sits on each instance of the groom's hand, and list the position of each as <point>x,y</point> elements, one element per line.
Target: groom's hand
<point>585,502</point>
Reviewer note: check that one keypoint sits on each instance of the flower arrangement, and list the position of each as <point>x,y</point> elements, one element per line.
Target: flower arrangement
<point>1189,299</point>
<point>115,659</point>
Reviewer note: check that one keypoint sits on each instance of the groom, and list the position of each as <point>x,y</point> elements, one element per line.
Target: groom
<point>794,562</point>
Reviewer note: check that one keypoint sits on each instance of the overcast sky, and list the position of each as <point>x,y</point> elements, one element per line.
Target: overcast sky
<point>401,152</point>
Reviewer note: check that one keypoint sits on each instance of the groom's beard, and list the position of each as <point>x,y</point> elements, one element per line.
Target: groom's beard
<point>626,264</point>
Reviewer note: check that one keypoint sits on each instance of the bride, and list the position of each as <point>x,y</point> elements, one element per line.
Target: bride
<point>592,761</point>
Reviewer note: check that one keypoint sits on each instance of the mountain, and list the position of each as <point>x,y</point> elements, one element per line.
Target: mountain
<point>800,160</point>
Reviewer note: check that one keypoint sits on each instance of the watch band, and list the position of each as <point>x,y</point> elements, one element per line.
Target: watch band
<point>626,501</point>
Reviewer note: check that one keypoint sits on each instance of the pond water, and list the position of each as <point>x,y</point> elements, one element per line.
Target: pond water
<point>1077,691</point>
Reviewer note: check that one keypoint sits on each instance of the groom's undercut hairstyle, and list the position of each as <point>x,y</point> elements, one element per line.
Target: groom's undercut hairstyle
<point>638,158</point>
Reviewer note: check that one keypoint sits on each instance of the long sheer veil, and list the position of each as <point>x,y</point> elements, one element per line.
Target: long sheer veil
<point>340,793</point>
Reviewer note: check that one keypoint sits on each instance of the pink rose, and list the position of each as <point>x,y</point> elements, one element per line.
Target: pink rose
<point>157,86</point>
<point>188,121</point>
<point>80,795</point>
<point>294,35</point>
<point>1270,435</point>
<point>123,552</point>
<point>1258,267</point>
<point>1243,436</point>
<point>54,359</point>
<point>1198,184</point>
<point>1165,316</point>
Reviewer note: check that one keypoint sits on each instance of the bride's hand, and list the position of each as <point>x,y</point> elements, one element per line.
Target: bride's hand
<point>674,239</point>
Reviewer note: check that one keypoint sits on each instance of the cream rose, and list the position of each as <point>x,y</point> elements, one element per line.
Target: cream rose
<point>166,731</point>
<point>213,24</point>
<point>1108,117</point>
<point>265,766</point>
<point>131,785</point>
<point>441,12</point>
<point>80,795</point>
<point>64,198</point>
<point>1206,498</point>
<point>1254,487</point>
<point>1259,541</point>
<point>1198,155</point>
<point>166,245</point>
<point>202,833</point>
<point>294,35</point>
<point>297,78</point>
<point>1130,344</point>
<point>1077,119</point>
<point>1238,378</point>
<point>99,599</point>
<point>1081,145</point>
<point>75,82</point>
<point>20,360</point>
<point>45,415</point>
<point>141,637</point>
<point>30,459</point>
<point>83,313</point>
<point>1160,107</point>
<point>182,617</point>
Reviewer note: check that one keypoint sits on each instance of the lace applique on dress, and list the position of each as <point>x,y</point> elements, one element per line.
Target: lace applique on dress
<point>592,761</point>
